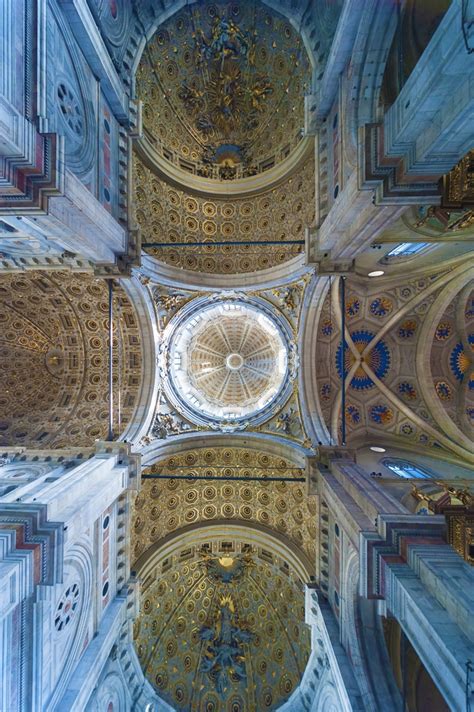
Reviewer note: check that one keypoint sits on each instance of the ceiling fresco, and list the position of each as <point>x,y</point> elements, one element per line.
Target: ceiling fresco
<point>54,347</point>
<point>223,630</point>
<point>222,87</point>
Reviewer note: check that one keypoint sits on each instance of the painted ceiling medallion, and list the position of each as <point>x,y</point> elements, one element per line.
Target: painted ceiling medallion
<point>227,361</point>
<point>378,359</point>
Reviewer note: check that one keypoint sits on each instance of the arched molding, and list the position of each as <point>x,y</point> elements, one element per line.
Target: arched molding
<point>327,698</point>
<point>148,567</point>
<point>293,452</point>
<point>463,298</point>
<point>147,398</point>
<point>252,533</point>
<point>304,22</point>
<point>349,623</point>
<point>79,160</point>
<point>362,638</point>
<point>374,38</point>
<point>79,558</point>
<point>248,187</point>
<point>423,363</point>
<point>313,418</point>
<point>111,690</point>
<point>169,276</point>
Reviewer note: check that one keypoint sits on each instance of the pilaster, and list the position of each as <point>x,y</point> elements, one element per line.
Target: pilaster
<point>429,589</point>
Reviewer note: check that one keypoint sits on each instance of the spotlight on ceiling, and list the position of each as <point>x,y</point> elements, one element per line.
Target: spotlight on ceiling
<point>375,448</point>
<point>376,273</point>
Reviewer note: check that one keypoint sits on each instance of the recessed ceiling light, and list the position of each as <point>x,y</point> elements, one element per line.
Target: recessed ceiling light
<point>376,273</point>
<point>375,448</point>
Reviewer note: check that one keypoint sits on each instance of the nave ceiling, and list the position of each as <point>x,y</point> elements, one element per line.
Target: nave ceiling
<point>222,627</point>
<point>232,552</point>
<point>224,161</point>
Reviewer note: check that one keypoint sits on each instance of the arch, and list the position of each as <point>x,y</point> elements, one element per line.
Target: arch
<point>272,444</point>
<point>79,558</point>
<point>312,414</point>
<point>304,19</point>
<point>145,404</point>
<point>170,276</point>
<point>249,533</point>
<point>213,189</point>
<point>112,691</point>
<point>423,366</point>
<point>361,637</point>
<point>268,166</point>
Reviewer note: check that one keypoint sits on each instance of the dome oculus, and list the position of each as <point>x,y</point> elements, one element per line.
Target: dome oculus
<point>227,361</point>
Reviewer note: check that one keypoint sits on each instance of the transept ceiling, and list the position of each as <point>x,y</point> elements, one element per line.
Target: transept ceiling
<point>393,384</point>
<point>54,341</point>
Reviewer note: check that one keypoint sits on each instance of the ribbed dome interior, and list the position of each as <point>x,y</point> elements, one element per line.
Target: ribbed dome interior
<point>231,359</point>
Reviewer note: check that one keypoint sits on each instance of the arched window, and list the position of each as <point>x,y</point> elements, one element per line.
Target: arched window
<point>407,470</point>
<point>406,249</point>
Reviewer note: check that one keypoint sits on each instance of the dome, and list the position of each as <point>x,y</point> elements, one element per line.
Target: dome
<point>231,631</point>
<point>222,89</point>
<point>228,361</point>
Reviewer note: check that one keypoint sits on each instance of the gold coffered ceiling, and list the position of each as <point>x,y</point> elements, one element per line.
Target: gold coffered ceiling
<point>222,87</point>
<point>224,559</point>
<point>222,628</point>
<point>245,228</point>
<point>163,507</point>
<point>54,359</point>
<point>223,173</point>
